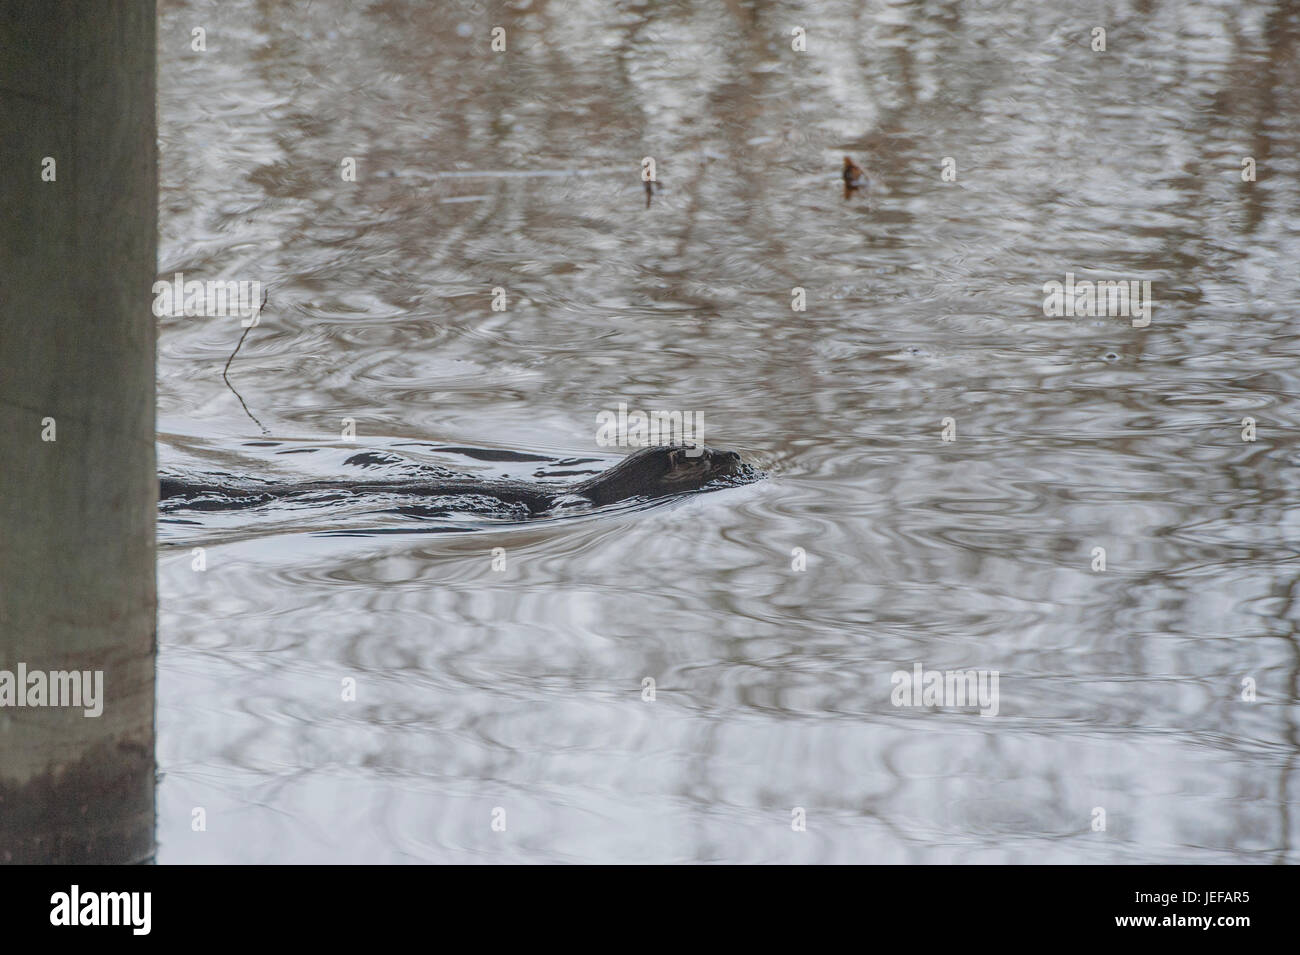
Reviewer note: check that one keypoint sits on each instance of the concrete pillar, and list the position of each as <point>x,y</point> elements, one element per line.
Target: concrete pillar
<point>78,247</point>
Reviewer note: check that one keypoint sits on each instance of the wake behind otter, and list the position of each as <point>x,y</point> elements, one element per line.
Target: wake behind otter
<point>425,491</point>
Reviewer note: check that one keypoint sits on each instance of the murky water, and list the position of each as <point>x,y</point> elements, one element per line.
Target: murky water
<point>521,689</point>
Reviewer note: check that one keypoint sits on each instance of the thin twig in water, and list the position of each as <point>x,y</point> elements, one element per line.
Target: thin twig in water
<point>225,371</point>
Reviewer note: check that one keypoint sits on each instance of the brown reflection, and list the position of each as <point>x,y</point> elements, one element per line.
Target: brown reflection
<point>855,177</point>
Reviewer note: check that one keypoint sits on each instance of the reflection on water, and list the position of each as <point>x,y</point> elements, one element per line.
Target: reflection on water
<point>521,688</point>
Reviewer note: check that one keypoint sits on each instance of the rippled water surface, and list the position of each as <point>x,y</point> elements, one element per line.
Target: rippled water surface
<point>521,689</point>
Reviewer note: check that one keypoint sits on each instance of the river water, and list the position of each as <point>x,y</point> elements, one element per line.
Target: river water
<point>1145,712</point>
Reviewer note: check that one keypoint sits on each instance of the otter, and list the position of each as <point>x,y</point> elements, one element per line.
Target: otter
<point>648,473</point>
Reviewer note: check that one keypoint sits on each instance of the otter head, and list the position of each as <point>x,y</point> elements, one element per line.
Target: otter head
<point>654,472</point>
